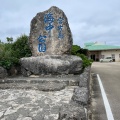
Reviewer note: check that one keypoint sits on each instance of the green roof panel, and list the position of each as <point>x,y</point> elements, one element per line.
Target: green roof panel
<point>101,47</point>
<point>89,44</point>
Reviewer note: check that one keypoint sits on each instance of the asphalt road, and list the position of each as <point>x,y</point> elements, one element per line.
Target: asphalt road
<point>110,76</point>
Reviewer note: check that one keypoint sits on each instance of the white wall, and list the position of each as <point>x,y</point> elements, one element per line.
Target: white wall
<point>110,52</point>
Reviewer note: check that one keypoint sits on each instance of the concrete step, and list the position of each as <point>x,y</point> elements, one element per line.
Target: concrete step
<point>42,83</point>
<point>69,80</point>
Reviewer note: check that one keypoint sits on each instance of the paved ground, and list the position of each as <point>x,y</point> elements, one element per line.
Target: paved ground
<point>98,109</point>
<point>35,98</point>
<point>110,76</point>
<point>32,104</point>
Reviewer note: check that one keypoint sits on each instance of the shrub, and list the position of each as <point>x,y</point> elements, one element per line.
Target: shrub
<point>86,61</point>
<point>10,53</point>
<point>76,50</point>
<point>8,62</point>
<point>20,48</point>
<point>6,58</point>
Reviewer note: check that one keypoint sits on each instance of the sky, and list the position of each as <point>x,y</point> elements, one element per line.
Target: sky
<point>89,20</point>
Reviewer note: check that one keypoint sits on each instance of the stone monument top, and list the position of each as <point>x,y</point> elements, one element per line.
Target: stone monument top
<point>50,33</point>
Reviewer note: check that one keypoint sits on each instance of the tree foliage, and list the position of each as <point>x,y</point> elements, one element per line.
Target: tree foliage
<point>75,49</point>
<point>20,47</point>
<point>10,53</point>
<point>78,51</point>
<point>9,39</point>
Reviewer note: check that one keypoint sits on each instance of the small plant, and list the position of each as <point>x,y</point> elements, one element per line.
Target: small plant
<point>86,61</point>
<point>76,50</point>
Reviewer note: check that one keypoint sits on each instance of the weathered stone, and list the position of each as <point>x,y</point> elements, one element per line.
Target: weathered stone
<point>38,105</point>
<point>27,118</point>
<point>85,78</point>
<point>48,86</point>
<point>66,64</point>
<point>72,112</point>
<point>81,95</point>
<point>51,86</point>
<point>3,72</point>
<point>50,33</point>
<point>14,70</point>
<point>87,69</point>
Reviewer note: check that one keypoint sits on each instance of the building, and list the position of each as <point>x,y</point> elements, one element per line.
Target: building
<point>96,51</point>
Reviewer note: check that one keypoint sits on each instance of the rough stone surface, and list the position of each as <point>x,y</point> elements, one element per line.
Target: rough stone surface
<point>42,98</point>
<point>69,80</point>
<point>14,70</point>
<point>48,86</point>
<point>81,95</point>
<point>72,111</point>
<point>87,69</point>
<point>33,104</point>
<point>85,78</point>
<point>58,38</point>
<point>3,72</point>
<point>66,64</point>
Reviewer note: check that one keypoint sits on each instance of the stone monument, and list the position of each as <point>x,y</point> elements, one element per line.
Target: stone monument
<point>50,43</point>
<point>50,33</point>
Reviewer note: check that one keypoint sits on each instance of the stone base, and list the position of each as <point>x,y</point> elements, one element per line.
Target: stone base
<point>3,72</point>
<point>54,65</point>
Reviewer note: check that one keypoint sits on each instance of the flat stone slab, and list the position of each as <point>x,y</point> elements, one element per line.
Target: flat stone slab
<point>33,104</point>
<point>69,80</point>
<point>46,86</point>
<point>51,83</point>
<point>51,65</point>
<point>42,83</point>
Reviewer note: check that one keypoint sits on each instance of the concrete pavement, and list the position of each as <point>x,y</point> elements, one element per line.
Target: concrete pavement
<point>110,76</point>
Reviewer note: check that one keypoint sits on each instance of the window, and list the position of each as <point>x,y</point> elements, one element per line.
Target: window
<point>108,57</point>
<point>113,56</point>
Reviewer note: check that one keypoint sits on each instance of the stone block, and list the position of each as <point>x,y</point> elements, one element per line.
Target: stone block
<point>3,72</point>
<point>55,65</point>
<point>50,33</point>
<point>84,79</point>
<point>81,95</point>
<point>72,111</point>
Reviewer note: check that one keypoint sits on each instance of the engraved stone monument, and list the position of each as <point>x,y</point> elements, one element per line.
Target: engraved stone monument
<point>50,43</point>
<point>50,33</point>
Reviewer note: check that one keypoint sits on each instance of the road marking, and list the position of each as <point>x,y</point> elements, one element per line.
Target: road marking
<point>105,100</point>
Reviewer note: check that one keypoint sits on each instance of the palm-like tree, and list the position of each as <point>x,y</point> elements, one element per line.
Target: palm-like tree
<point>9,39</point>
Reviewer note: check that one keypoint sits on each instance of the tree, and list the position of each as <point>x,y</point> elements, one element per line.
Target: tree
<point>83,51</point>
<point>0,41</point>
<point>9,39</point>
<point>75,49</point>
<point>21,48</point>
<point>11,53</point>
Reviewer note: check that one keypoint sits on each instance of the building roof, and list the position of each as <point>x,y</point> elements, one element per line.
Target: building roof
<point>99,47</point>
<point>89,44</point>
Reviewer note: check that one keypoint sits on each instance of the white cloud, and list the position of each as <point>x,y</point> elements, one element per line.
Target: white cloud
<point>89,20</point>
